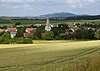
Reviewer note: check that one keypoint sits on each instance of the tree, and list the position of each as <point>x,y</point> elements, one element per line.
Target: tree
<point>63,27</point>
<point>97,34</point>
<point>48,35</point>
<point>56,31</point>
<point>1,34</point>
<point>91,34</point>
<point>0,27</point>
<point>4,27</point>
<point>20,32</point>
<point>18,23</point>
<point>35,36</point>
<point>39,31</point>
<point>6,35</point>
<point>82,34</point>
<point>6,38</point>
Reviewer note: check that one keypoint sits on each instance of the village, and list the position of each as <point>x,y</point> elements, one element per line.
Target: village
<point>61,29</point>
<point>49,35</point>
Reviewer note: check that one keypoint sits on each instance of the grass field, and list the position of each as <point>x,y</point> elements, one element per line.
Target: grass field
<point>51,56</point>
<point>27,22</point>
<point>4,22</point>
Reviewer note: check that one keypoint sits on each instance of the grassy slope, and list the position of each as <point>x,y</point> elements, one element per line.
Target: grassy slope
<point>58,56</point>
<point>5,22</point>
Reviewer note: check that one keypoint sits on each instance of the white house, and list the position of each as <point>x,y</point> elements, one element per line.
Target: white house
<point>13,32</point>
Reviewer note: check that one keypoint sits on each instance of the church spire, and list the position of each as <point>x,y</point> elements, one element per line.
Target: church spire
<point>48,26</point>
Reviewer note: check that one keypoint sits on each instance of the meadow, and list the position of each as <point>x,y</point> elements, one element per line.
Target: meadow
<point>29,22</point>
<point>8,23</point>
<point>51,56</point>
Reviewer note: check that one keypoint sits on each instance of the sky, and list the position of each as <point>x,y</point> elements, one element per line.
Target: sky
<point>41,7</point>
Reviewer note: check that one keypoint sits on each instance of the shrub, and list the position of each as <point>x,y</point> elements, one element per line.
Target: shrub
<point>22,41</point>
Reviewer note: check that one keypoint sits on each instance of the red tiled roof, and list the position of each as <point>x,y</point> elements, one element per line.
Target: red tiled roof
<point>1,30</point>
<point>31,29</point>
<point>12,29</point>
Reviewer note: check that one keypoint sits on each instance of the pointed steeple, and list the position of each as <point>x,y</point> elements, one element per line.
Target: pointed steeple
<point>48,26</point>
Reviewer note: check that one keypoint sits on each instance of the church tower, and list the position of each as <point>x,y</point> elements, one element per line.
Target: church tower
<point>48,25</point>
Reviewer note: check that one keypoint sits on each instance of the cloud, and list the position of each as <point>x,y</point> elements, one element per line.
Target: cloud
<point>46,6</point>
<point>46,1</point>
<point>17,1</point>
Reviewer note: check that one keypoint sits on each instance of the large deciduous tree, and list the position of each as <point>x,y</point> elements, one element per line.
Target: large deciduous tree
<point>5,38</point>
<point>48,35</point>
<point>20,32</point>
<point>97,34</point>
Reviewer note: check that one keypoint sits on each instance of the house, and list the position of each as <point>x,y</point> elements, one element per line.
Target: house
<point>38,25</point>
<point>2,30</point>
<point>88,28</point>
<point>74,29</point>
<point>76,25</point>
<point>62,34</point>
<point>29,32</point>
<point>13,32</point>
<point>68,32</point>
<point>94,29</point>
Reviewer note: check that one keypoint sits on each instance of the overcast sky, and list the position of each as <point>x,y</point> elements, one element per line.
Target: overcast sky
<point>40,7</point>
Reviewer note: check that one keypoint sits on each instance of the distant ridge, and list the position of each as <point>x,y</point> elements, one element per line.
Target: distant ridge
<point>56,15</point>
<point>59,15</point>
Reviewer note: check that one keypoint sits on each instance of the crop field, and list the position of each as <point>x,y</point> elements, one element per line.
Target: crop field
<point>25,22</point>
<point>51,56</point>
<point>5,22</point>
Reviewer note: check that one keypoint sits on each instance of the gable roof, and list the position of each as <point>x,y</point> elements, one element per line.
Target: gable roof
<point>2,30</point>
<point>31,29</point>
<point>12,30</point>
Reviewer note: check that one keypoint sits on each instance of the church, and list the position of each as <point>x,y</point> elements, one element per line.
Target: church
<point>48,25</point>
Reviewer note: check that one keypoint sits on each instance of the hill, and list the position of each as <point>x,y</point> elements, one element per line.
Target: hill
<point>69,16</point>
<point>55,15</point>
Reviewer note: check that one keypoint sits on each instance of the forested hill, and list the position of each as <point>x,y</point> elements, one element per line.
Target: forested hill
<point>75,17</point>
<point>95,17</point>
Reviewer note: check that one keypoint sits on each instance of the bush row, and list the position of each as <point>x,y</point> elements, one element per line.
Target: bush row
<point>16,41</point>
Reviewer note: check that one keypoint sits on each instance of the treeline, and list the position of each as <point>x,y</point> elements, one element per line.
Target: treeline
<point>83,18</point>
<point>6,39</point>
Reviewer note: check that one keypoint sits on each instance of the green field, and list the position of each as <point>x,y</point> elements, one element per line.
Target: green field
<point>51,56</point>
<point>6,22</point>
<point>26,22</point>
<point>3,21</point>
